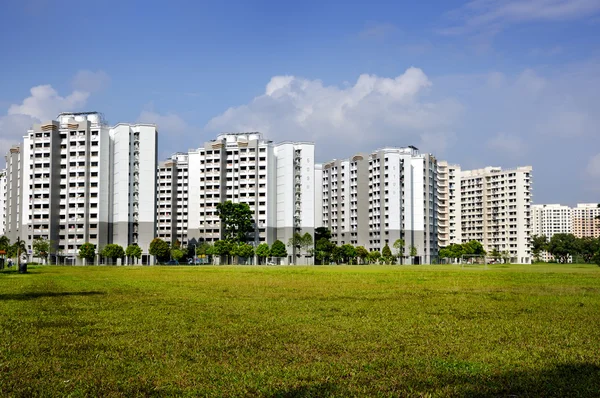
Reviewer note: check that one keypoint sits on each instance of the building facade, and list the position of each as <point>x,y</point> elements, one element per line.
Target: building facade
<point>496,210</point>
<point>172,199</point>
<point>586,220</point>
<point>449,206</point>
<point>75,180</point>
<point>374,199</point>
<point>551,219</point>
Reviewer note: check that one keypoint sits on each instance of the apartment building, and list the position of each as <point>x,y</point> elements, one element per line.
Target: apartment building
<point>13,195</point>
<point>496,210</point>
<point>551,219</point>
<point>75,180</point>
<point>2,201</point>
<point>133,185</point>
<point>586,220</point>
<point>449,204</point>
<point>172,199</point>
<point>276,181</point>
<point>373,199</point>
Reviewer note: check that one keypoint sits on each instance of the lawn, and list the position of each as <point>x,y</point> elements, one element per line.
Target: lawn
<point>301,331</point>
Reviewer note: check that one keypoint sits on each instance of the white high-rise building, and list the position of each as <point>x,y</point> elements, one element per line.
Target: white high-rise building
<point>76,180</point>
<point>172,199</point>
<point>373,199</point>
<point>276,181</point>
<point>586,220</point>
<point>449,209</point>
<point>496,210</point>
<point>551,219</point>
<point>2,202</point>
<point>133,180</point>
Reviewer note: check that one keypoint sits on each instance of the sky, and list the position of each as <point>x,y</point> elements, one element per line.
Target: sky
<point>478,83</point>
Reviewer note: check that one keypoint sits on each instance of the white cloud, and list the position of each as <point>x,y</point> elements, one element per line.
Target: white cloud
<point>493,15</point>
<point>593,167</point>
<point>375,111</point>
<point>90,82</point>
<point>507,144</point>
<point>44,103</point>
<point>167,124</point>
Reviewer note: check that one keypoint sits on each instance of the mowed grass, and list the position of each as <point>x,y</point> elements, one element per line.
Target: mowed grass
<point>301,331</point>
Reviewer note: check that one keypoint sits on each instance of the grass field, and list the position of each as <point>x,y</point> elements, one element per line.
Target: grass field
<point>301,331</point>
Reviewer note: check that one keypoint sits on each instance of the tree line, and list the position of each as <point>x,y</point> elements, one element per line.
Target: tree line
<point>566,247</point>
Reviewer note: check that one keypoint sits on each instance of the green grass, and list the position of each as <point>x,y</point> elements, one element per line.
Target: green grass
<point>301,331</point>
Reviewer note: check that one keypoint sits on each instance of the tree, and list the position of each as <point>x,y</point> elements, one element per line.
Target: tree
<point>87,251</point>
<point>278,249</point>
<point>17,249</point>
<point>362,253</point>
<point>399,246</point>
<point>160,250</point>
<point>322,232</point>
<point>473,247</point>
<point>587,247</point>
<point>323,250</point>
<point>596,258</point>
<point>176,254</point>
<point>236,220</point>
<point>133,251</point>
<point>41,248</point>
<point>295,243</point>
<point>113,251</point>
<point>243,250</point>
<point>562,246</point>
<point>4,243</point>
<point>349,253</point>
<point>222,248</point>
<point>337,254</point>
<point>262,251</point>
<point>374,256</point>
<point>306,243</point>
<point>538,245</point>
<point>386,254</point>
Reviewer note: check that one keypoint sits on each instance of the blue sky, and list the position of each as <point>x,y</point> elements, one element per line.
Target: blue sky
<point>484,82</point>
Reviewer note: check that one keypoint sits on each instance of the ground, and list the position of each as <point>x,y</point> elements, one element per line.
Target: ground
<point>301,331</point>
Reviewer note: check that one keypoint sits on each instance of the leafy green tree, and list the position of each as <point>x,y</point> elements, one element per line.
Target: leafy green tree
<point>337,254</point>
<point>176,254</point>
<point>474,248</point>
<point>374,256</point>
<point>242,250</point>
<point>495,253</point>
<point>17,249</point>
<point>203,248</point>
<point>386,254</point>
<point>160,250</point>
<point>87,251</point>
<point>278,249</point>
<point>113,251</point>
<point>587,247</point>
<point>323,250</point>
<point>562,246</point>
<point>236,220</point>
<point>41,248</point>
<point>4,242</point>
<point>349,253</point>
<point>399,246</point>
<point>295,243</point>
<point>539,244</point>
<point>262,251</point>
<point>307,243</point>
<point>222,248</point>
<point>133,251</point>
<point>362,253</point>
<point>322,232</point>
<point>596,258</point>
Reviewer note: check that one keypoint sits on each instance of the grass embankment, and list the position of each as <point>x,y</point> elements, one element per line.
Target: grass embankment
<point>298,331</point>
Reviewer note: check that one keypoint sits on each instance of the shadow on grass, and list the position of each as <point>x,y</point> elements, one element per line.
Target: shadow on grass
<point>35,295</point>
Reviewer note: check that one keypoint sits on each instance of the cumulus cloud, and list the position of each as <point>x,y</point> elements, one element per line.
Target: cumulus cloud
<point>44,103</point>
<point>375,111</point>
<point>90,82</point>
